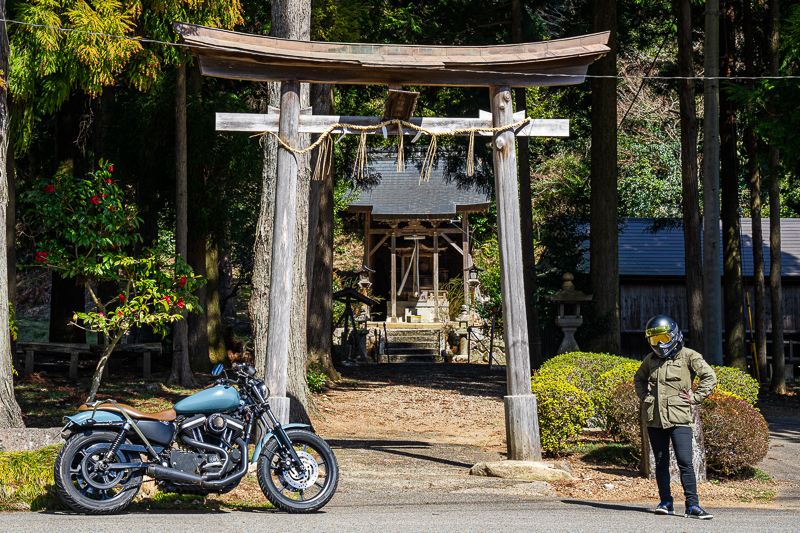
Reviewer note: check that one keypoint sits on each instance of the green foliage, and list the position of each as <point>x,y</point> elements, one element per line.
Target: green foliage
<point>487,257</point>
<point>586,367</point>
<point>563,410</point>
<point>605,395</point>
<point>26,480</point>
<point>734,381</point>
<point>87,231</point>
<point>12,321</point>
<point>735,433</point>
<point>455,295</point>
<point>315,377</point>
<point>624,410</point>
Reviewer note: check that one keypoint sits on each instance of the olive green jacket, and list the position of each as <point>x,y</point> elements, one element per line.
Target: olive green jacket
<point>659,381</point>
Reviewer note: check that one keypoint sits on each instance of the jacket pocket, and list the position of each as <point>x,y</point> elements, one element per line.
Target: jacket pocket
<point>674,372</point>
<point>649,408</point>
<point>679,412</point>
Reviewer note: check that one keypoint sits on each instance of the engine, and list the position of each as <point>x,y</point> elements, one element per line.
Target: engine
<point>206,447</point>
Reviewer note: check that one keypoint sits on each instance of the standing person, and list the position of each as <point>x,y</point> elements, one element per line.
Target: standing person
<point>664,385</point>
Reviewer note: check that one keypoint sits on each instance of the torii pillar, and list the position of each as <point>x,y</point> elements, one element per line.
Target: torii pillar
<point>522,422</point>
<point>280,295</point>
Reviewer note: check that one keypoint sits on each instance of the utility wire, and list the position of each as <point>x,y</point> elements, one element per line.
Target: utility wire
<point>437,69</point>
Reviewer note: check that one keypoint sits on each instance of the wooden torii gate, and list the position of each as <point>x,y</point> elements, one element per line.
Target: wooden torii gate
<point>234,55</point>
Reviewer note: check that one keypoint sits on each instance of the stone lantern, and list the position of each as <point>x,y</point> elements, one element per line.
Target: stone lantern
<point>471,275</point>
<point>569,317</point>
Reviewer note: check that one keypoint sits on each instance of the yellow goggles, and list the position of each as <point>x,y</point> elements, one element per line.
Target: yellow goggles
<point>655,340</point>
<point>658,335</point>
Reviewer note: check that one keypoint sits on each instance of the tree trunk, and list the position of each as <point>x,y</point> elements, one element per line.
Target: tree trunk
<point>693,251</point>
<point>10,414</point>
<point>758,314</point>
<point>196,322</point>
<point>712,290</point>
<point>216,344</point>
<point>775,287</point>
<point>526,211</point>
<point>320,287</point>
<point>735,355</point>
<point>11,237</point>
<point>604,236</point>
<point>227,292</point>
<point>181,371</point>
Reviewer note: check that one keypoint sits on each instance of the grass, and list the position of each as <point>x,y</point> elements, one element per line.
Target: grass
<point>31,330</point>
<point>755,474</point>
<point>26,480</point>
<point>611,453</point>
<point>756,495</point>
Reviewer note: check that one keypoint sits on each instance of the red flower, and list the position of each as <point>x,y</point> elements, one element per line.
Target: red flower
<point>166,299</point>
<point>183,282</point>
<point>119,314</point>
<point>180,303</point>
<point>41,257</point>
<point>95,199</point>
<point>104,197</point>
<point>49,189</point>
<point>110,169</point>
<point>109,181</point>
<point>121,297</point>
<point>101,314</point>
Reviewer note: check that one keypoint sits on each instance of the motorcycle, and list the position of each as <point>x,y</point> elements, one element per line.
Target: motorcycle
<point>199,446</point>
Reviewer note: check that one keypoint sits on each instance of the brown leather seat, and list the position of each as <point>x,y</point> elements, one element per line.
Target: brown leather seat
<point>167,415</point>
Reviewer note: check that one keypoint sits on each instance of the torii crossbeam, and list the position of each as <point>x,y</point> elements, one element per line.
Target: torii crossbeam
<point>250,57</point>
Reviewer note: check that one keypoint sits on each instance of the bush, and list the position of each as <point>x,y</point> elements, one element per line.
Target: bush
<point>315,377</point>
<point>624,413</point>
<point>584,369</point>
<point>734,381</point>
<point>736,435</point>
<point>563,410</point>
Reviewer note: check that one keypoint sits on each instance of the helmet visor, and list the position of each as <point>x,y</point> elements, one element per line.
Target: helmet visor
<point>655,340</point>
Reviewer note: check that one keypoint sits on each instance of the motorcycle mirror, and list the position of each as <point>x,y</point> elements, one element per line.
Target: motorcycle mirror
<point>217,370</point>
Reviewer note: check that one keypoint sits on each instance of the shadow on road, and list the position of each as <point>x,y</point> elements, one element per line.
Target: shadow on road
<point>608,506</point>
<point>397,447</point>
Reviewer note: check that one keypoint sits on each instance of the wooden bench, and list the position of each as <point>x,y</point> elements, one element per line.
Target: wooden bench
<point>75,349</point>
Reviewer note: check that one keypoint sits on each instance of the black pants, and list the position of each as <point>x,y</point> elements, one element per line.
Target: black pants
<point>682,444</point>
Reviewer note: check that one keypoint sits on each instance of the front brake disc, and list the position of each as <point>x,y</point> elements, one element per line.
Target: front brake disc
<point>303,479</point>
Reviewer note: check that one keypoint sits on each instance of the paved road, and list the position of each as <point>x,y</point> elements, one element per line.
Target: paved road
<point>412,513</point>
<point>783,460</point>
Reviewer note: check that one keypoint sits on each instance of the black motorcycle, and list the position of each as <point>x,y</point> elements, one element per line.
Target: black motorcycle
<point>200,446</point>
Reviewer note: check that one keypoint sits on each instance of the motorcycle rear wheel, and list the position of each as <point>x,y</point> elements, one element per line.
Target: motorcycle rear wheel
<point>293,491</point>
<point>84,485</point>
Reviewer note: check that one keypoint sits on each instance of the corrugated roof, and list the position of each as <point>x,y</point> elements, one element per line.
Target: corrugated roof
<point>401,195</point>
<point>644,253</point>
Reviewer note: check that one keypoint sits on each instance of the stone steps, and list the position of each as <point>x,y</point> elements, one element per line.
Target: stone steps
<point>412,346</point>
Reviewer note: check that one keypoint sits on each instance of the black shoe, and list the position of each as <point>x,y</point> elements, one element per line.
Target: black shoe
<point>695,511</point>
<point>665,508</point>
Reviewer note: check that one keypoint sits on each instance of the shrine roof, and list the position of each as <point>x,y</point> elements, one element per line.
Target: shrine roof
<point>229,54</point>
<point>402,196</point>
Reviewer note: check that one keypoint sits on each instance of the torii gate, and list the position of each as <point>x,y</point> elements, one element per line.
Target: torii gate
<point>234,55</point>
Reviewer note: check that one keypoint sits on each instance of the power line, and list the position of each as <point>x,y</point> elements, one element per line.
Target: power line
<point>473,71</point>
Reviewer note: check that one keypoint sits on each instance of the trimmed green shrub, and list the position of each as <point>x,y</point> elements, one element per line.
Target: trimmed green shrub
<point>736,434</point>
<point>583,369</point>
<point>624,413</point>
<point>734,381</point>
<point>563,410</point>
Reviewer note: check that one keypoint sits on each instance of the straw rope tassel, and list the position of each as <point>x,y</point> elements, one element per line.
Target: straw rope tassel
<point>427,164</point>
<point>471,155</point>
<point>362,170</point>
<point>401,158</point>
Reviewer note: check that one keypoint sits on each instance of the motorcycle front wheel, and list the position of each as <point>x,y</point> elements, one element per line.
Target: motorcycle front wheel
<point>295,490</point>
<point>86,484</point>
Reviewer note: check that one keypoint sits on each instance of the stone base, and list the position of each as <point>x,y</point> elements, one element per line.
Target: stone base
<point>524,470</point>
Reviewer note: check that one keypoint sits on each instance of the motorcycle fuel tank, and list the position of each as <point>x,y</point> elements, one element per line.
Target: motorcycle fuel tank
<point>217,399</point>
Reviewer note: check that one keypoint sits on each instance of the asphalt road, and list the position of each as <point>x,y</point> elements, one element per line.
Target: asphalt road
<point>357,513</point>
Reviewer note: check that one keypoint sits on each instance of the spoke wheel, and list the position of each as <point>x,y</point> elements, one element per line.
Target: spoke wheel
<point>293,489</point>
<point>85,482</point>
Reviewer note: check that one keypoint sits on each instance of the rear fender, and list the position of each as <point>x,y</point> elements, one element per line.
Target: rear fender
<point>75,422</point>
<point>271,435</point>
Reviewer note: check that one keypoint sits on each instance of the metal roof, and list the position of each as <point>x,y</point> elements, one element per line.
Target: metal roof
<point>644,253</point>
<point>402,196</point>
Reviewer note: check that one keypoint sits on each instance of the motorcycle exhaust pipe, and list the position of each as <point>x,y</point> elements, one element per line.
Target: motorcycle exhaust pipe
<point>163,473</point>
<point>210,448</point>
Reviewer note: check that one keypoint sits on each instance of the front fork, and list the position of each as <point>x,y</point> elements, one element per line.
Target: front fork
<point>283,439</point>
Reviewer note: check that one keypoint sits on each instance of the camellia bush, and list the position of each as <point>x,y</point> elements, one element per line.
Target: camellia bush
<point>88,233</point>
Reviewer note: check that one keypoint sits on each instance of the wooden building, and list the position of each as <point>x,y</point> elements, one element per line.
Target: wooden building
<point>652,279</point>
<point>416,237</point>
